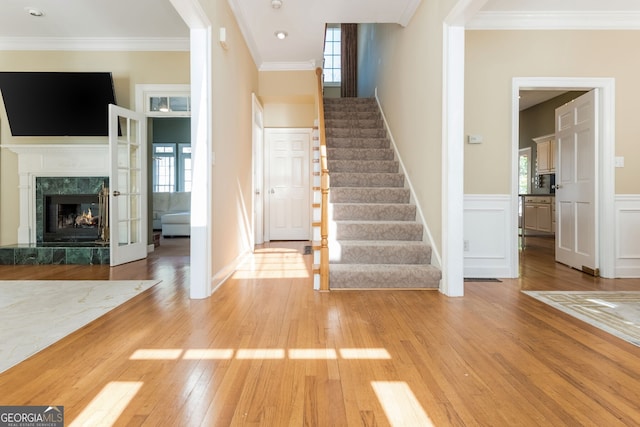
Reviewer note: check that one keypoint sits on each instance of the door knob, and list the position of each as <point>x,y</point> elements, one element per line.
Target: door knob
<point>116,193</point>
<point>558,186</point>
<point>273,191</point>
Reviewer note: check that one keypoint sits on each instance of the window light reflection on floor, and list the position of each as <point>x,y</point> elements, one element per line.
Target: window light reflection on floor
<point>273,264</point>
<point>156,354</point>
<point>262,353</point>
<point>108,405</point>
<point>312,353</point>
<point>208,354</point>
<point>400,405</point>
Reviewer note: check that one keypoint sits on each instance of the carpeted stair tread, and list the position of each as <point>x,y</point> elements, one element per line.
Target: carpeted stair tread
<point>356,132</point>
<point>347,142</point>
<point>384,276</point>
<point>360,153</point>
<point>352,115</point>
<point>374,211</point>
<point>368,123</point>
<point>377,230</point>
<point>363,179</point>
<point>369,195</point>
<point>379,252</point>
<point>370,166</point>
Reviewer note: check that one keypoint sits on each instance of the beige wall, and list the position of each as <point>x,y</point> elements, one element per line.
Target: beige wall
<point>408,77</point>
<point>234,79</point>
<point>288,98</point>
<point>128,69</point>
<point>493,58</point>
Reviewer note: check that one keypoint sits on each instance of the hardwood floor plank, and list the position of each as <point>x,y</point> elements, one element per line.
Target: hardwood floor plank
<point>267,350</point>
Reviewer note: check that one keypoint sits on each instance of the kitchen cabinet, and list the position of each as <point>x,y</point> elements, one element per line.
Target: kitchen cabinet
<point>539,213</point>
<point>546,154</point>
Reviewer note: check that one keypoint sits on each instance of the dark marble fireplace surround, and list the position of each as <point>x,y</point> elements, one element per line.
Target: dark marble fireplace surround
<point>79,252</point>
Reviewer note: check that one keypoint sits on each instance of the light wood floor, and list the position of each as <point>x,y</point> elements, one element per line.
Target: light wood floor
<point>266,350</point>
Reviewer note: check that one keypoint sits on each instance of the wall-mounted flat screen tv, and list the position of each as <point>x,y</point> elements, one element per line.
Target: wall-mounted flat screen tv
<point>57,103</point>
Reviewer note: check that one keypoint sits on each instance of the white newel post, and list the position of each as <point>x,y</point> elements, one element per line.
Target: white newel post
<point>55,160</point>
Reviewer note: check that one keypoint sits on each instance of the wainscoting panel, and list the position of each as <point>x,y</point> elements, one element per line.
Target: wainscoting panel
<point>487,228</point>
<point>627,253</point>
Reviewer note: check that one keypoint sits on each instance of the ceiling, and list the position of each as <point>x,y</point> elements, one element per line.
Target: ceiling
<point>155,25</point>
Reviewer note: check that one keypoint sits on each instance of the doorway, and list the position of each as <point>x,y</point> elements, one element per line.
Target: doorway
<point>604,165</point>
<point>171,181</point>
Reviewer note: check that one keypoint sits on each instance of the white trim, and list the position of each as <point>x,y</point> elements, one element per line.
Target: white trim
<point>163,44</point>
<point>201,280</point>
<point>605,172</point>
<point>236,8</point>
<point>556,20</point>
<point>288,66</point>
<point>408,12</point>
<point>452,160</point>
<point>226,272</point>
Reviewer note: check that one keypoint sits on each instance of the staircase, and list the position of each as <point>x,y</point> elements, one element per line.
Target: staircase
<point>374,240</point>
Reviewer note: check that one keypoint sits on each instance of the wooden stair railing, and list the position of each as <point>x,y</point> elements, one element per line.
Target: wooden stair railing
<point>324,188</point>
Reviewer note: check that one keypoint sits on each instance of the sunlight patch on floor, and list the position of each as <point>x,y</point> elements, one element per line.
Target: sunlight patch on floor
<point>262,353</point>
<point>273,265</point>
<point>156,354</point>
<point>400,404</point>
<point>108,405</point>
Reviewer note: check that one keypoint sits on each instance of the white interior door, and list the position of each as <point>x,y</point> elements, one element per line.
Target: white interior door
<point>128,185</point>
<point>577,226</point>
<point>289,184</point>
<point>258,172</point>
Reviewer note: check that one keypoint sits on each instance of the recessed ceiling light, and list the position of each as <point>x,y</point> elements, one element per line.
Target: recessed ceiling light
<point>276,4</point>
<point>34,12</point>
<point>281,35</point>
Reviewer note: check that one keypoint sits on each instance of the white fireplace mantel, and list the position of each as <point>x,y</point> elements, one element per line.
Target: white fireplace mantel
<point>52,160</point>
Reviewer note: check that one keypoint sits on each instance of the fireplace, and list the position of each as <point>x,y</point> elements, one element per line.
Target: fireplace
<point>71,218</point>
<point>68,209</point>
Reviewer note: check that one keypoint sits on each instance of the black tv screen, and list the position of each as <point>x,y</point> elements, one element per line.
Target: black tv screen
<point>57,103</point>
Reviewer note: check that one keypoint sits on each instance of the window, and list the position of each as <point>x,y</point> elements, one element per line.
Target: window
<point>332,60</point>
<point>169,104</point>
<point>171,167</point>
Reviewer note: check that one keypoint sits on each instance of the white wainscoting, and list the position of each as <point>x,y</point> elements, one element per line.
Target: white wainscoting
<point>627,241</point>
<point>488,225</point>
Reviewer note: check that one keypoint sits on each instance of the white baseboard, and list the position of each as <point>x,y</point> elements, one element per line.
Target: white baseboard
<point>224,273</point>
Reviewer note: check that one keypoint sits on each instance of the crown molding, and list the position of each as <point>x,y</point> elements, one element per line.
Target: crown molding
<point>288,66</point>
<point>96,43</point>
<point>408,12</point>
<point>562,20</point>
<point>236,8</point>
